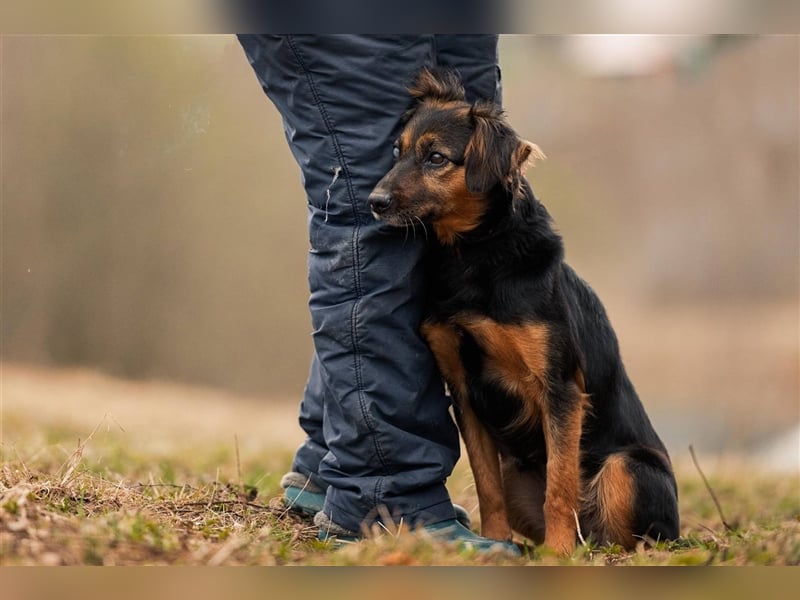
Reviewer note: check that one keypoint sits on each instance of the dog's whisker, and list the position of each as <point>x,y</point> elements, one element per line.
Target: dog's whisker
<point>424,229</point>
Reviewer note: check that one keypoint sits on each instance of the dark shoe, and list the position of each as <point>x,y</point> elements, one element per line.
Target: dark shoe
<point>450,531</point>
<point>453,531</point>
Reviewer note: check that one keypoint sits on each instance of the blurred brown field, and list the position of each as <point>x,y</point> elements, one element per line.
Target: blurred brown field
<point>153,228</point>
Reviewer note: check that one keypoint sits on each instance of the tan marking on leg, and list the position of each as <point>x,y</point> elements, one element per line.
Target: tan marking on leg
<point>613,494</point>
<point>445,343</point>
<point>485,464</point>
<point>562,497</point>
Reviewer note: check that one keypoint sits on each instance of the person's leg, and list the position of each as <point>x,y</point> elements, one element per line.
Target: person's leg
<point>475,59</point>
<point>389,437</point>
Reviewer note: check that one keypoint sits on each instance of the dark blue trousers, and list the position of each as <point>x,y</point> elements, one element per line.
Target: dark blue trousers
<point>378,425</point>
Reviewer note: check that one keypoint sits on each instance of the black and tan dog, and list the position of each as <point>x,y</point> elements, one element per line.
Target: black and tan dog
<point>555,432</point>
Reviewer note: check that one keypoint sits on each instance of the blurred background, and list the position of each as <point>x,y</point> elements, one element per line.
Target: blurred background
<point>154,223</point>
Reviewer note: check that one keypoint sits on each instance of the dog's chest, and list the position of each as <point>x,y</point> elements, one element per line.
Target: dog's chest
<point>500,368</point>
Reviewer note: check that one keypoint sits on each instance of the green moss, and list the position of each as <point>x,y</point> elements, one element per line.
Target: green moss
<point>11,507</point>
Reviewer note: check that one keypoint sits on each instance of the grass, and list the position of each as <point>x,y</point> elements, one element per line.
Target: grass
<point>112,499</point>
<point>175,513</point>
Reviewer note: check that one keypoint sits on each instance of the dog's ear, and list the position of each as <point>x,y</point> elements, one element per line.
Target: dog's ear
<point>489,156</point>
<point>526,155</point>
<point>437,84</point>
<point>495,154</point>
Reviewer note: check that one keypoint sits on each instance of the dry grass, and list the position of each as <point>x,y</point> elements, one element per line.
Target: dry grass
<point>89,520</point>
<point>208,494</point>
<point>83,518</point>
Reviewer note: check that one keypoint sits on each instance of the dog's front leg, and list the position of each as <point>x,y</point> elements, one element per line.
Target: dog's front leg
<point>485,463</point>
<point>562,430</point>
<point>445,342</point>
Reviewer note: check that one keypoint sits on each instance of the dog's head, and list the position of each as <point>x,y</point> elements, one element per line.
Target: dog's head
<point>452,159</point>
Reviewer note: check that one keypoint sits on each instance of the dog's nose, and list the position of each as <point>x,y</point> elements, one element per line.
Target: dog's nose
<point>380,201</point>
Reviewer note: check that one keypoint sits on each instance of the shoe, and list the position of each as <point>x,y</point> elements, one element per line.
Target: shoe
<point>303,496</point>
<point>453,531</point>
<point>450,531</point>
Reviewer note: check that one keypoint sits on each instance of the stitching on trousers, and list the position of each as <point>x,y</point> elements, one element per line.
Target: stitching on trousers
<point>354,245</point>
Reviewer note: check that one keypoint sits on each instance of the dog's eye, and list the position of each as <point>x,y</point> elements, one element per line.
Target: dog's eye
<point>396,151</point>
<point>436,159</point>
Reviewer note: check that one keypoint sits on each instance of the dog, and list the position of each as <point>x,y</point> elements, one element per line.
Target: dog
<point>559,443</point>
